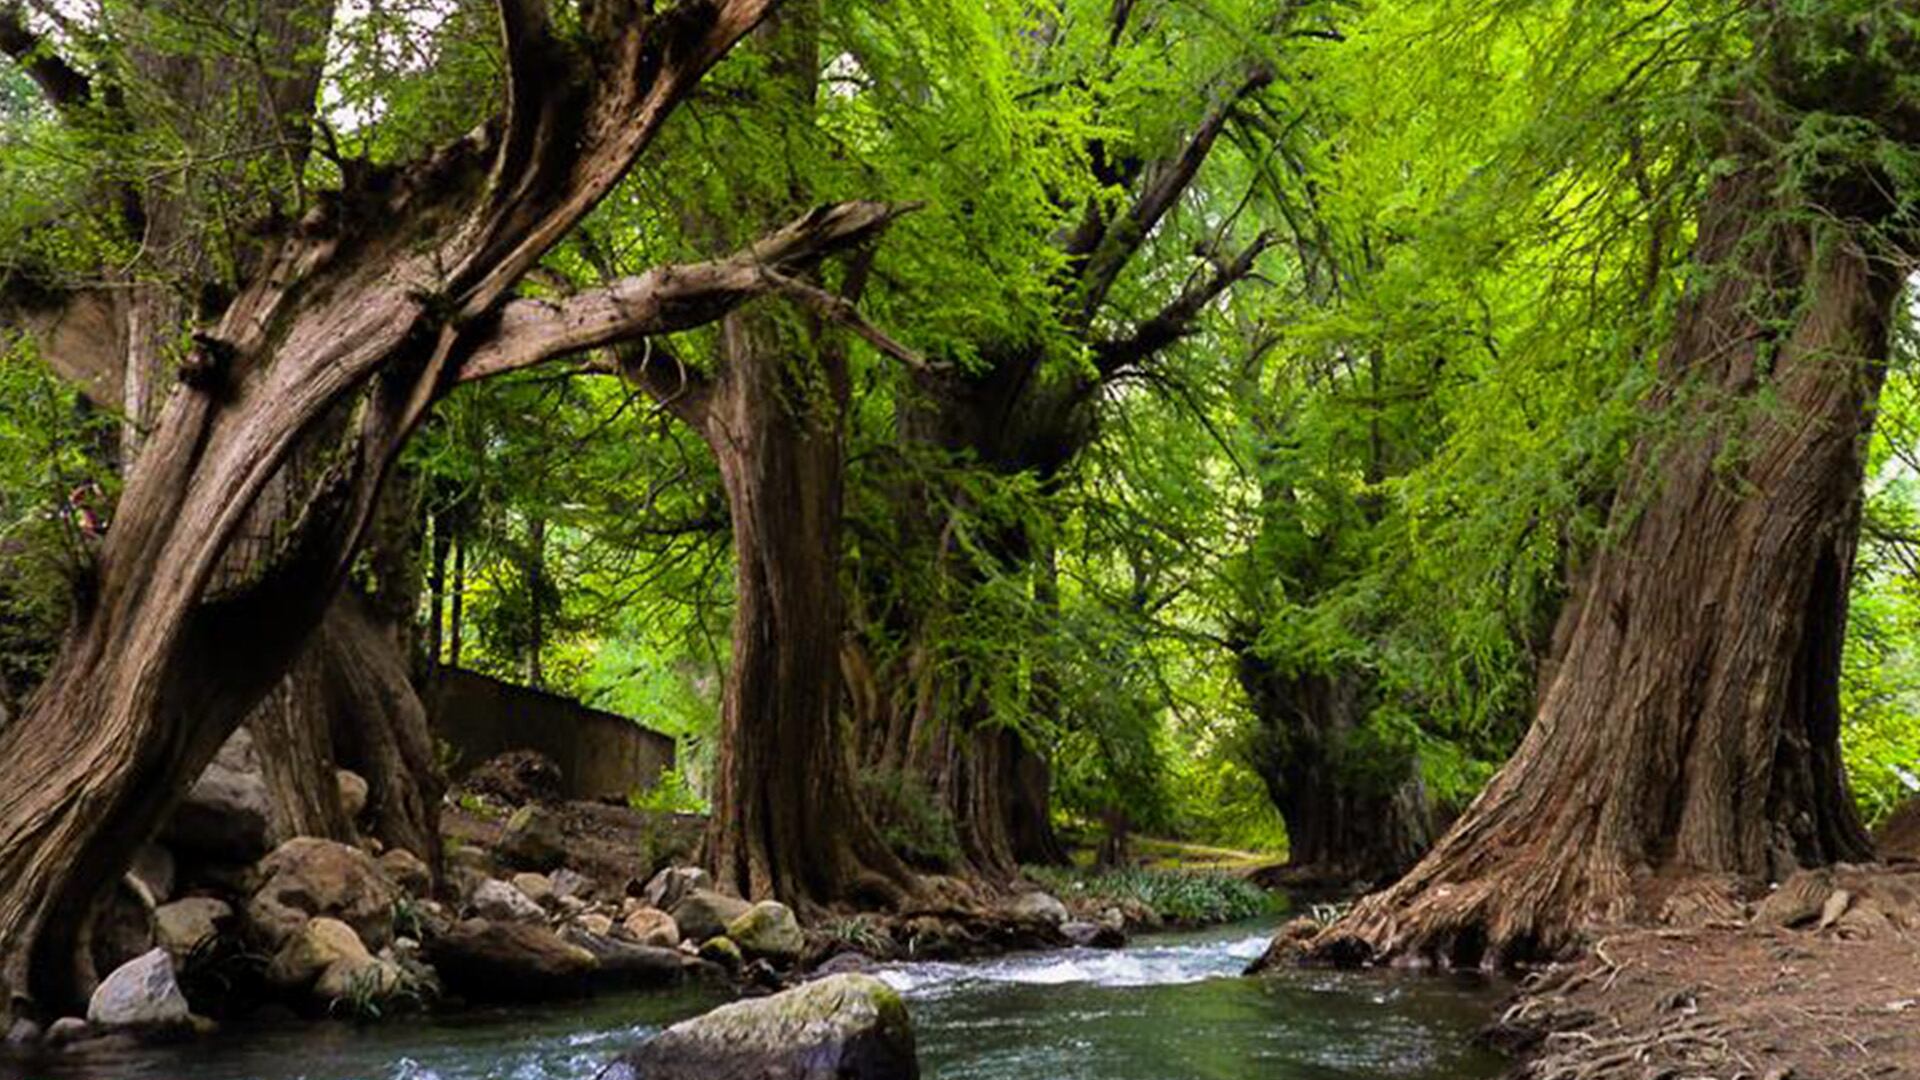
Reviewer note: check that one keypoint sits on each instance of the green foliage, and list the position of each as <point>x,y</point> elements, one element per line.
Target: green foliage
<point>1377,460</point>
<point>1181,897</point>
<point>673,793</point>
<point>1880,668</point>
<point>56,495</point>
<point>859,933</point>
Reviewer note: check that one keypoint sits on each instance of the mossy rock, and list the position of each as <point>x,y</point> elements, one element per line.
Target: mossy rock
<point>844,1027</point>
<point>768,929</point>
<point>722,951</point>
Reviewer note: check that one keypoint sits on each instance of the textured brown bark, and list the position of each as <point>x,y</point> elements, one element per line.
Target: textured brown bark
<point>293,739</point>
<point>786,819</point>
<point>378,726</point>
<point>1691,726</point>
<point>348,703</point>
<point>244,510</point>
<point>1347,819</point>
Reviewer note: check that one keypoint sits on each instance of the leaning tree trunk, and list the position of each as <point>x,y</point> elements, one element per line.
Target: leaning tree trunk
<point>1347,820</point>
<point>246,505</point>
<point>1692,725</point>
<point>787,821</point>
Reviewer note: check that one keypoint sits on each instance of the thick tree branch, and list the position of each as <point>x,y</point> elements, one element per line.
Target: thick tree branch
<point>538,95</point>
<point>670,298</point>
<point>1179,317</point>
<point>847,313</point>
<point>63,84</point>
<point>1164,183</point>
<point>567,143</point>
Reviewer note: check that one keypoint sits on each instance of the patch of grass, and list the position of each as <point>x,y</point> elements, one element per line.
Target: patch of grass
<point>473,804</point>
<point>407,919</point>
<point>861,933</point>
<point>1184,897</point>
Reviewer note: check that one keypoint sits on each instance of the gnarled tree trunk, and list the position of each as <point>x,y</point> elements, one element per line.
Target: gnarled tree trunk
<point>249,499</point>
<point>1692,724</point>
<point>786,821</point>
<point>1349,816</point>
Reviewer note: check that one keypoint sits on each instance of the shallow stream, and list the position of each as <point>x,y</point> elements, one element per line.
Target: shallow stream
<point>1169,1007</point>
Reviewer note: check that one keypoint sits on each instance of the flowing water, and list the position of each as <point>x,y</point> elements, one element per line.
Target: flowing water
<point>1170,1007</point>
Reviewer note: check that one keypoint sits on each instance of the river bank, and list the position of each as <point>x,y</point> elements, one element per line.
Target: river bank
<point>227,925</point>
<point>1818,979</point>
<point>1169,1006</point>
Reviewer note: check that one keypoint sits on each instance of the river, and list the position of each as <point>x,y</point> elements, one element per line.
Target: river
<point>1169,1007</point>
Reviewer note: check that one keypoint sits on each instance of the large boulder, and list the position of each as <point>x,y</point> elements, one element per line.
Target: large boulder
<point>572,883</point>
<point>501,902</point>
<point>624,965</point>
<point>312,949</point>
<point>1290,943</point>
<point>1093,935</point>
<point>533,839</point>
<point>181,926</point>
<point>227,815</point>
<point>670,886</point>
<point>308,877</point>
<point>142,994</point>
<point>768,929</point>
<point>703,913</point>
<point>537,887</point>
<point>1037,907</point>
<point>327,959</point>
<point>493,961</point>
<point>353,792</point>
<point>845,1027</point>
<point>374,979</point>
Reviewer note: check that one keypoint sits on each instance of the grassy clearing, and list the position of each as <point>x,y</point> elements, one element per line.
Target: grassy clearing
<point>1183,897</point>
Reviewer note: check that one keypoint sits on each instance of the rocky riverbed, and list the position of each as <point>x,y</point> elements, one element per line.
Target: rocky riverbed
<point>227,921</point>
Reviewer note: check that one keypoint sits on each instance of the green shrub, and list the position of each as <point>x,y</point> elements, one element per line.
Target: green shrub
<point>1183,897</point>
<point>673,793</point>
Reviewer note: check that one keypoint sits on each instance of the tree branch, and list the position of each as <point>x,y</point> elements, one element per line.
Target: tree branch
<point>66,89</point>
<point>844,311</point>
<point>1165,181</point>
<point>679,389</point>
<point>566,143</point>
<point>1178,318</point>
<point>669,298</point>
<point>535,98</point>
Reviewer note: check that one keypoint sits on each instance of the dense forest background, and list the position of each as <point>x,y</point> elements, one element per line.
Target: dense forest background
<point>1228,414</point>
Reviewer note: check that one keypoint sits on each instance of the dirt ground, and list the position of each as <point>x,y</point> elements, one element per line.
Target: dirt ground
<point>1819,981</point>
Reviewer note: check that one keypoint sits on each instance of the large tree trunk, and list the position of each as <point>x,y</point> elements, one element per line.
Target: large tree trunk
<point>1350,816</point>
<point>350,703</point>
<point>1692,725</point>
<point>379,727</point>
<point>787,821</point>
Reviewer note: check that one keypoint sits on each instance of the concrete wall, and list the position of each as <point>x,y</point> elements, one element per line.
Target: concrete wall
<point>600,754</point>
